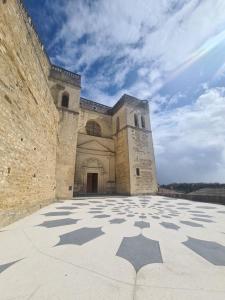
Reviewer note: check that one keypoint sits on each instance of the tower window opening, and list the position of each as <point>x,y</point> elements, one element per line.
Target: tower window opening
<point>137,171</point>
<point>142,122</point>
<point>65,100</point>
<point>117,124</point>
<point>136,121</point>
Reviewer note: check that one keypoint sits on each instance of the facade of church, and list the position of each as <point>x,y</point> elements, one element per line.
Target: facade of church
<point>101,149</point>
<point>54,143</point>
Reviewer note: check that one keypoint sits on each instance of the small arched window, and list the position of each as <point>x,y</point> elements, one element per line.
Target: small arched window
<point>117,124</point>
<point>142,121</point>
<point>136,121</point>
<point>65,100</point>
<point>93,128</point>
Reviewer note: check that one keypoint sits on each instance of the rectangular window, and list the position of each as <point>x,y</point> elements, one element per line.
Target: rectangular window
<point>137,171</point>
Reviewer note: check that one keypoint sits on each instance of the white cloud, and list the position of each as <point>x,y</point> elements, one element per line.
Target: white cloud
<point>147,34</point>
<point>189,141</point>
<point>157,41</point>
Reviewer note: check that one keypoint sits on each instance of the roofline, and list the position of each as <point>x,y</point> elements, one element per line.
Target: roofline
<point>95,102</point>
<point>111,110</point>
<point>67,72</point>
<point>125,98</point>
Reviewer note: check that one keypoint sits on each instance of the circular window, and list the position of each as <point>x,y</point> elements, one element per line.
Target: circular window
<point>93,128</point>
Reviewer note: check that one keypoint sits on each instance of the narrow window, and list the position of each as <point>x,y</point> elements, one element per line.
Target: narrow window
<point>142,122</point>
<point>93,128</point>
<point>136,120</point>
<point>117,124</point>
<point>65,100</point>
<point>137,171</point>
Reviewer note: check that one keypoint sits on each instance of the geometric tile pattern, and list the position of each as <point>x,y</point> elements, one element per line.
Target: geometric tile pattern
<point>57,213</point>
<point>7,265</point>
<point>102,216</point>
<point>192,224</point>
<point>142,224</point>
<point>80,236</point>
<point>140,251</point>
<point>60,222</point>
<point>211,251</point>
<point>66,207</point>
<point>201,215</point>
<point>202,220</point>
<point>170,225</point>
<point>119,220</point>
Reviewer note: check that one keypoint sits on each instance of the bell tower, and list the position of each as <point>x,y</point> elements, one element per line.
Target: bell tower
<point>65,89</point>
<point>135,161</point>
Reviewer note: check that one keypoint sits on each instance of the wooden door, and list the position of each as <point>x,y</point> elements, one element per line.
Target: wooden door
<point>92,182</point>
<point>89,182</point>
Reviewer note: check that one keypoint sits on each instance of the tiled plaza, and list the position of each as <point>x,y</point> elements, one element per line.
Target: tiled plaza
<point>146,247</point>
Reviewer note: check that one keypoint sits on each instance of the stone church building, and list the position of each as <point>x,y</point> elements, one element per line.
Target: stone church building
<point>102,149</point>
<point>55,143</point>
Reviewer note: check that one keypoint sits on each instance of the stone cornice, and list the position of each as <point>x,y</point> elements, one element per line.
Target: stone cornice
<point>64,75</point>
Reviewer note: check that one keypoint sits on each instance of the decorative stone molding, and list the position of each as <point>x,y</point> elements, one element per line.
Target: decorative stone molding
<point>93,163</point>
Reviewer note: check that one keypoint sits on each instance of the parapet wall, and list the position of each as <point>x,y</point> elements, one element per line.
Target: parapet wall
<point>28,117</point>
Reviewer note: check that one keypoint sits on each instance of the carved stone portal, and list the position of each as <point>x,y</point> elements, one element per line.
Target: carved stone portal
<point>92,166</point>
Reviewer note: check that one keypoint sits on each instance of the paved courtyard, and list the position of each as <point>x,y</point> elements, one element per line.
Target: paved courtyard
<point>116,248</point>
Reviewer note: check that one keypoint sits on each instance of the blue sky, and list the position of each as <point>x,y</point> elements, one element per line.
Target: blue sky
<point>170,52</point>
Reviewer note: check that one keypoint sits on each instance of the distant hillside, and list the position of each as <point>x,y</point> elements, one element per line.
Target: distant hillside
<point>169,191</point>
<point>193,187</point>
<point>209,192</point>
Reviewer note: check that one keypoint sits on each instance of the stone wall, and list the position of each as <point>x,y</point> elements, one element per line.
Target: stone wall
<point>142,157</point>
<point>122,163</point>
<point>120,135</point>
<point>66,154</point>
<point>28,117</point>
